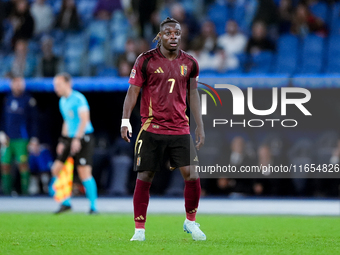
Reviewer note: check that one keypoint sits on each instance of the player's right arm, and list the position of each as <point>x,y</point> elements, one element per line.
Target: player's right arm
<point>129,103</point>
<point>60,146</point>
<point>136,81</point>
<point>64,129</point>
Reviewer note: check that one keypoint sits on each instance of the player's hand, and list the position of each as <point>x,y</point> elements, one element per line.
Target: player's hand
<point>200,137</point>
<point>126,130</point>
<point>60,148</point>
<point>75,146</point>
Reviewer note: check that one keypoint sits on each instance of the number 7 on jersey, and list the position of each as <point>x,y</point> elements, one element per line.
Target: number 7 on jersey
<point>172,80</point>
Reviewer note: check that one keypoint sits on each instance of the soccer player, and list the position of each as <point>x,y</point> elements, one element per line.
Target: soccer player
<point>19,124</point>
<point>76,139</point>
<point>165,74</point>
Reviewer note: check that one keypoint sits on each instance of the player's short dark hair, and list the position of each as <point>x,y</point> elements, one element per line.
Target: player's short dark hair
<point>67,77</point>
<point>166,21</point>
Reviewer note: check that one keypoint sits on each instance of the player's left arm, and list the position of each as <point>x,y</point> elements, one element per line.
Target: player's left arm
<point>84,117</point>
<point>194,103</point>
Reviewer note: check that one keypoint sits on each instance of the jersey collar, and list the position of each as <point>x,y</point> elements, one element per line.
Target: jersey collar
<point>161,54</point>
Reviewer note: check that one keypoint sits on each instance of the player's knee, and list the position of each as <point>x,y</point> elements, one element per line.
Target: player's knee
<point>146,176</point>
<point>189,173</point>
<point>84,172</point>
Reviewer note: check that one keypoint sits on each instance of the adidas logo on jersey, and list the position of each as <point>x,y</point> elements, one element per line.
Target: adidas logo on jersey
<point>159,70</point>
<point>196,159</point>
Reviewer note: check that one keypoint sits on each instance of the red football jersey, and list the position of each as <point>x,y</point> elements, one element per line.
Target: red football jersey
<point>164,86</point>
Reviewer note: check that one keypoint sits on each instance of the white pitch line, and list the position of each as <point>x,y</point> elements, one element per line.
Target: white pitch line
<point>176,205</point>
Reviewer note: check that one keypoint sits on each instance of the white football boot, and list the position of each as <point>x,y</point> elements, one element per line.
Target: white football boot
<point>139,235</point>
<point>192,228</point>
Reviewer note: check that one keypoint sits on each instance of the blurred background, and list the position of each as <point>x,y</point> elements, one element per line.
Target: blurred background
<point>97,42</point>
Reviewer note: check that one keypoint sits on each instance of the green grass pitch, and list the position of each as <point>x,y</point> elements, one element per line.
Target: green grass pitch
<point>110,233</point>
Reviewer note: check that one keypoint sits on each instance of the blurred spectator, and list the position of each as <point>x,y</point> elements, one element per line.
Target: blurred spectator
<point>208,36</point>
<point>178,13</point>
<point>124,67</point>
<point>185,40</point>
<point>266,12</point>
<point>22,21</point>
<point>142,45</point>
<point>49,63</point>
<point>18,125</point>
<point>68,18</point>
<point>21,63</point>
<point>233,42</point>
<point>335,159</point>
<point>40,161</point>
<point>285,16</point>
<point>131,51</point>
<point>146,12</point>
<point>43,17</point>
<point>8,7</point>
<point>304,22</point>
<point>267,186</point>
<point>258,41</point>
<point>206,60</point>
<point>238,157</point>
<point>105,8</point>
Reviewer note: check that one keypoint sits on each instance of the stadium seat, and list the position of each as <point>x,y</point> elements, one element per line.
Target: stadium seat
<point>85,9</point>
<point>3,65</point>
<point>107,72</point>
<point>287,54</point>
<point>333,55</point>
<point>74,53</point>
<point>120,28</point>
<point>320,10</point>
<point>98,38</point>
<point>238,14</point>
<point>219,14</point>
<point>262,62</point>
<point>312,55</point>
<point>335,19</point>
<point>56,6</point>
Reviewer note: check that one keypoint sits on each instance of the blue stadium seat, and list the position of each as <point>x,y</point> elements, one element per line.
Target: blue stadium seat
<point>209,72</point>
<point>312,55</point>
<point>333,55</point>
<point>3,65</point>
<point>287,54</point>
<point>85,9</point>
<point>261,63</point>
<point>107,72</point>
<point>238,14</point>
<point>56,6</point>
<point>320,10</point>
<point>335,19</point>
<point>120,28</point>
<point>98,38</point>
<point>219,14</point>
<point>74,53</point>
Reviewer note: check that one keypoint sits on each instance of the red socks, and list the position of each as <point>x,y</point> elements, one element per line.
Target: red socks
<point>140,202</point>
<point>192,192</point>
